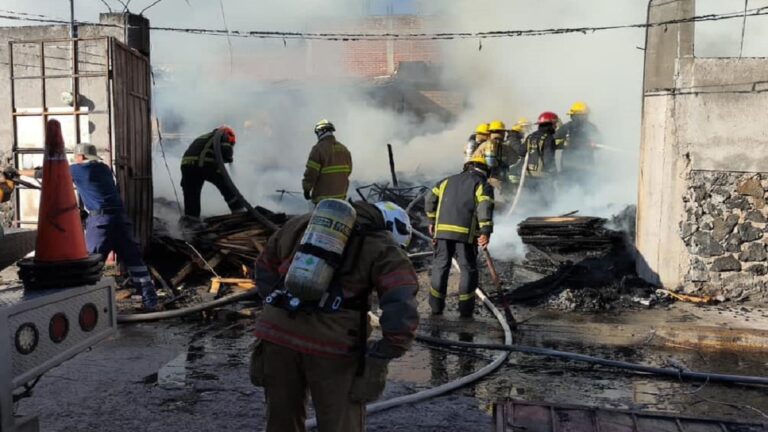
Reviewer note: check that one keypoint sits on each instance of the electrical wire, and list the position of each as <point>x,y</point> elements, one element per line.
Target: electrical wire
<point>352,37</point>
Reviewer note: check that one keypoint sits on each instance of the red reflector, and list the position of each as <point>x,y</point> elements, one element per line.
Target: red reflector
<point>89,317</point>
<point>58,328</point>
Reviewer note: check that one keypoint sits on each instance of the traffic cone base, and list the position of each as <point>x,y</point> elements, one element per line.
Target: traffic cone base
<point>61,259</point>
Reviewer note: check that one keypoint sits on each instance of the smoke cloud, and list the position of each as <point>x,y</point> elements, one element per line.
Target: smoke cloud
<point>272,91</point>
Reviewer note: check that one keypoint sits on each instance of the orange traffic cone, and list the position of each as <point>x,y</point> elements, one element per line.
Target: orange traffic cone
<point>61,258</point>
<point>59,229</point>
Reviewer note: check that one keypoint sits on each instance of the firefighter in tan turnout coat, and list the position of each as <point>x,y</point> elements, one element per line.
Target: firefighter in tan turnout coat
<point>328,167</point>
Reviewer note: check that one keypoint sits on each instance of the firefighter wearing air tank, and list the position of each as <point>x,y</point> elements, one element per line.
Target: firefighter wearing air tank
<point>515,138</point>
<point>328,167</point>
<point>199,165</point>
<point>460,213</point>
<point>476,140</point>
<point>317,275</point>
<point>498,154</point>
<point>541,168</point>
<point>578,139</point>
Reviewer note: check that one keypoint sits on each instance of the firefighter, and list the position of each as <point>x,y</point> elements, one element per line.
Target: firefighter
<point>476,140</point>
<point>498,155</point>
<point>541,168</point>
<point>328,167</point>
<point>515,138</point>
<point>107,228</point>
<point>460,213</point>
<point>578,140</point>
<point>324,352</point>
<point>199,165</point>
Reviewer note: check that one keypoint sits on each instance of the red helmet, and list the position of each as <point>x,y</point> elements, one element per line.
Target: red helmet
<point>548,117</point>
<point>227,134</point>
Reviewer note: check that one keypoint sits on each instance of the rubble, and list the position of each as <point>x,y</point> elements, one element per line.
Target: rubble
<point>581,265</point>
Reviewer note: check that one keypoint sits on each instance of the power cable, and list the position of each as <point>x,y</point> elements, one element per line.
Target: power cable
<point>150,6</point>
<point>109,8</point>
<point>229,40</point>
<point>743,28</point>
<point>352,37</point>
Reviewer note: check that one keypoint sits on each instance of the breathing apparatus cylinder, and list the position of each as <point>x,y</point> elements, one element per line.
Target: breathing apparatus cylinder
<point>469,150</point>
<point>320,250</point>
<point>490,157</point>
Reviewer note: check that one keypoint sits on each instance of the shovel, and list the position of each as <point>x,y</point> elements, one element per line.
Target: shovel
<point>496,281</point>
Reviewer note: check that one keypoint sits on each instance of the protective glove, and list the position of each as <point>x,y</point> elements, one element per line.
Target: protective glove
<point>483,241</point>
<point>370,385</point>
<point>307,195</point>
<point>10,173</point>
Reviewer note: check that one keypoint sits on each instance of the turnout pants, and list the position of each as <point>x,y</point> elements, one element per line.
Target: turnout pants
<point>288,376</point>
<point>466,255</point>
<point>108,233</point>
<point>193,178</point>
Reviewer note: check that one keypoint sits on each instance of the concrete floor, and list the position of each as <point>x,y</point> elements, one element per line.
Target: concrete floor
<point>190,376</point>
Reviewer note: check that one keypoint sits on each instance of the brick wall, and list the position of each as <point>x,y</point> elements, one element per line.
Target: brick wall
<point>370,58</point>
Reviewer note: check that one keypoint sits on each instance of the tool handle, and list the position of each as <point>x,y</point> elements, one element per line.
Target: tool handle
<point>492,268</point>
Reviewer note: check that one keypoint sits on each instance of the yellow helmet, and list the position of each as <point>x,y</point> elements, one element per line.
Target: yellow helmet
<point>482,129</point>
<point>522,125</point>
<point>497,126</point>
<point>579,108</point>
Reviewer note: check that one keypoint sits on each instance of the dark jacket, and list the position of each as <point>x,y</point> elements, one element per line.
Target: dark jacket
<point>461,207</point>
<point>201,153</point>
<point>576,139</point>
<point>378,264</point>
<point>540,146</point>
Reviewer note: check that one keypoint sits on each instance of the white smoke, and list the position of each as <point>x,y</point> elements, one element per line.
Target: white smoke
<point>203,81</point>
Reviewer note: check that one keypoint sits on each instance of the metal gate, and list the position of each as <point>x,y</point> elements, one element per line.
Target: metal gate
<point>99,90</point>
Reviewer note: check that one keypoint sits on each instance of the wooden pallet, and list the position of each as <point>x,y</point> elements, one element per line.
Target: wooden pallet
<point>521,416</point>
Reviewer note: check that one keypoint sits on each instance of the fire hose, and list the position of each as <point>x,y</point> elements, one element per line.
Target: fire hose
<point>231,185</point>
<point>520,186</point>
<point>176,313</point>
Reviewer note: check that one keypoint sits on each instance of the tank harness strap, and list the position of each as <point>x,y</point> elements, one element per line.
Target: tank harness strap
<point>333,259</point>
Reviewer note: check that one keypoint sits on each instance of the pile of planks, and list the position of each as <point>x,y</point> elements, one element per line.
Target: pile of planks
<point>225,246</point>
<point>568,234</point>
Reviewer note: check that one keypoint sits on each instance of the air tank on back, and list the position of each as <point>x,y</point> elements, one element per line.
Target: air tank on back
<point>320,250</point>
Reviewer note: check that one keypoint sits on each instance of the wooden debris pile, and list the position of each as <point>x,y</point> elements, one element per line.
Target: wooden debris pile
<point>224,247</point>
<point>582,265</point>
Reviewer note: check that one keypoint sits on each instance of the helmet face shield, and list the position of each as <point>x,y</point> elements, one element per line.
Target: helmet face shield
<point>397,222</point>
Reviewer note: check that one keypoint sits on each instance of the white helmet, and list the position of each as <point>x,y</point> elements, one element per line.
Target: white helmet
<point>397,221</point>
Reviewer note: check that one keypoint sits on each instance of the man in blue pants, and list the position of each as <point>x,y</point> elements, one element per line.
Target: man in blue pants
<point>107,228</point>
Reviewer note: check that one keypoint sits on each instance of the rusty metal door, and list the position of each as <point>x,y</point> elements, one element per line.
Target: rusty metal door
<point>108,90</point>
<point>132,135</point>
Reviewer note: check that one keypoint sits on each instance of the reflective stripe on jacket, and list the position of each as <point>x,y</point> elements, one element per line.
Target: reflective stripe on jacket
<point>328,169</point>
<point>201,152</point>
<point>461,207</point>
<point>540,146</point>
<point>380,266</point>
